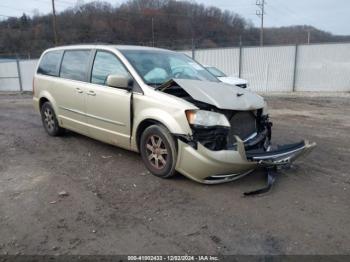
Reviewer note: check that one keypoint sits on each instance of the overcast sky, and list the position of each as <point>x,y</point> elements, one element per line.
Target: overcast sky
<point>329,15</point>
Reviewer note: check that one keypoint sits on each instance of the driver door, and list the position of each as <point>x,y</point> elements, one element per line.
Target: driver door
<point>108,108</point>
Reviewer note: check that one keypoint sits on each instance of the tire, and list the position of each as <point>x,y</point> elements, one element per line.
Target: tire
<point>50,121</point>
<point>159,156</point>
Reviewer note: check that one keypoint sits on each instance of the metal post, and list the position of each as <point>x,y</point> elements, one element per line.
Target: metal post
<point>240,59</point>
<point>19,74</point>
<point>152,31</point>
<point>295,67</point>
<point>193,50</point>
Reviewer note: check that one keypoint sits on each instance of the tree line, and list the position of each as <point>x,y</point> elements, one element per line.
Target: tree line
<point>162,23</point>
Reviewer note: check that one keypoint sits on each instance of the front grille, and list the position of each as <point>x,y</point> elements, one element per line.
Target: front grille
<point>243,124</point>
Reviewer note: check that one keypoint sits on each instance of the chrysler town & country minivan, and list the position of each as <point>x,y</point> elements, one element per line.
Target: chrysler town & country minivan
<point>159,103</point>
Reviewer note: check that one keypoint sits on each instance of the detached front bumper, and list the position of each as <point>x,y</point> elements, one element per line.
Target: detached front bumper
<point>213,167</point>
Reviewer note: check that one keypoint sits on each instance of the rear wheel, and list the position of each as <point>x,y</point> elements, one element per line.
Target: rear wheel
<point>158,151</point>
<point>50,121</point>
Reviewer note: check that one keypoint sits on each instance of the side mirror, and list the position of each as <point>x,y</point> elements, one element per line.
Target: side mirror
<point>119,81</point>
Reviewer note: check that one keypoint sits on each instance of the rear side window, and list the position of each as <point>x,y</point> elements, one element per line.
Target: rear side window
<point>106,64</point>
<point>49,64</point>
<point>74,64</point>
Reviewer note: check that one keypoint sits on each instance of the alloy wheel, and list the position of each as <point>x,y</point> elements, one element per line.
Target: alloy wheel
<point>49,119</point>
<point>157,152</point>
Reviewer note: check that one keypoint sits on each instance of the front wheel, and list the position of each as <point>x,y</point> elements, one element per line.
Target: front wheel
<point>158,151</point>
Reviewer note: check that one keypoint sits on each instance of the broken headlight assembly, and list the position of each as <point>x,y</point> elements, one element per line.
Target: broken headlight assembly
<point>216,131</point>
<point>206,118</point>
<point>209,128</point>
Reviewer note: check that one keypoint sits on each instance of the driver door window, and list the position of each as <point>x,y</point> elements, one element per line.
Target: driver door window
<point>106,64</point>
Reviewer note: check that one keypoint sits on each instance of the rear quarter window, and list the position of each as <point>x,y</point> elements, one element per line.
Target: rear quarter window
<point>49,64</point>
<point>75,64</point>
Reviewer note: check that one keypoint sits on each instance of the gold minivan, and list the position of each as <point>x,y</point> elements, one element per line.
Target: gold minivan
<point>159,103</point>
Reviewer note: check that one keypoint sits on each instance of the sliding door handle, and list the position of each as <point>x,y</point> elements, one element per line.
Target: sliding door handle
<point>79,90</point>
<point>91,93</point>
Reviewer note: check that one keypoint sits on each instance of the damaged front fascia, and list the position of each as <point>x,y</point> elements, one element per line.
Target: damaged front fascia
<point>256,149</point>
<point>201,94</point>
<point>215,139</point>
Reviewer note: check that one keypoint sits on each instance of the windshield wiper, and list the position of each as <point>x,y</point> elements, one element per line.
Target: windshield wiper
<point>165,85</point>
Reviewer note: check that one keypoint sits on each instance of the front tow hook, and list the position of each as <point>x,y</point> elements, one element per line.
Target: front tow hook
<point>271,174</point>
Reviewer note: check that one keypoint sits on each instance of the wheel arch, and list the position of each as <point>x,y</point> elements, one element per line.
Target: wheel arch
<point>175,122</point>
<point>47,97</point>
<point>142,127</point>
<point>42,100</point>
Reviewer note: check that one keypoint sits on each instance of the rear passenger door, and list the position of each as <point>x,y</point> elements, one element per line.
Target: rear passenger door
<point>108,108</point>
<point>71,92</point>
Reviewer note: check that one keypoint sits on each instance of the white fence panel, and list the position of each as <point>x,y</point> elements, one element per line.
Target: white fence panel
<point>27,72</point>
<point>226,59</point>
<point>9,76</point>
<point>323,67</point>
<point>268,68</point>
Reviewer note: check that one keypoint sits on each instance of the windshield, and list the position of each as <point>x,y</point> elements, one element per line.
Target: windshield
<point>216,72</point>
<point>157,67</point>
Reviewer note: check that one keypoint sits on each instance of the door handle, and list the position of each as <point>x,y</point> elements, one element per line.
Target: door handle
<point>91,93</point>
<point>79,90</point>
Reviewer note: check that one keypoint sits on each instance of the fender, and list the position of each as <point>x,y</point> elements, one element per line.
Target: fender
<point>48,96</point>
<point>176,123</point>
<point>172,122</point>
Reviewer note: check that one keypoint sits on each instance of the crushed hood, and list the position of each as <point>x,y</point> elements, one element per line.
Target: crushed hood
<point>218,94</point>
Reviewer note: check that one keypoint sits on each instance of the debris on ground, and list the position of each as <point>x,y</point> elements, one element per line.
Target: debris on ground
<point>63,194</point>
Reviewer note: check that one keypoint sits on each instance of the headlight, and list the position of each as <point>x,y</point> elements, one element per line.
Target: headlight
<point>206,118</point>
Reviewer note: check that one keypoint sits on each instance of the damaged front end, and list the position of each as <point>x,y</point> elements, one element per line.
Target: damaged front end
<point>226,151</point>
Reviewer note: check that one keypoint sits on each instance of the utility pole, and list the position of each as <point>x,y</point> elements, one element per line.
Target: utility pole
<point>308,36</point>
<point>54,22</point>
<point>260,13</point>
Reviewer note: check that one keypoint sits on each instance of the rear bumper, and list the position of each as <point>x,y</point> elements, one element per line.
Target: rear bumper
<point>214,167</point>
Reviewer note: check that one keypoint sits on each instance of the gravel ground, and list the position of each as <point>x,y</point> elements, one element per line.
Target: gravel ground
<point>113,205</point>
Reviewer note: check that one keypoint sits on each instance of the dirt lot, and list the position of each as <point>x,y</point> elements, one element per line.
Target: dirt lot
<point>115,207</point>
